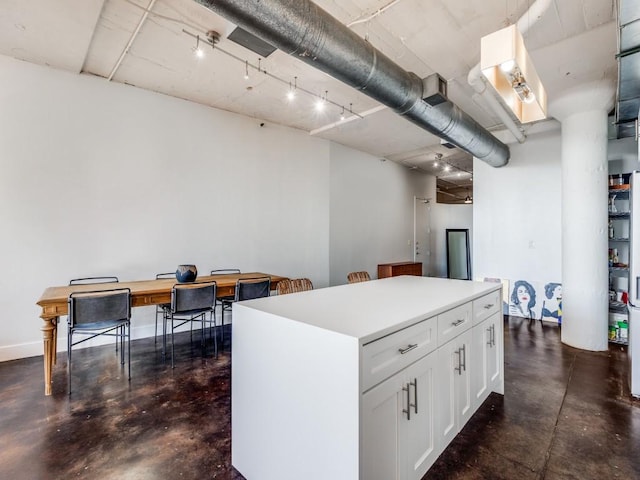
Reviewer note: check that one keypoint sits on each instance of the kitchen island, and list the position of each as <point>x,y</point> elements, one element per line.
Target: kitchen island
<point>363,381</point>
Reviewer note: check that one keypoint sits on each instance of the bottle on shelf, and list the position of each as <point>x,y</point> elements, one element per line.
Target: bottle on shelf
<point>620,179</point>
<point>611,235</point>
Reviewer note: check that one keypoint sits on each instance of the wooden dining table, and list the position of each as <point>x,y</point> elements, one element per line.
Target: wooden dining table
<point>54,303</point>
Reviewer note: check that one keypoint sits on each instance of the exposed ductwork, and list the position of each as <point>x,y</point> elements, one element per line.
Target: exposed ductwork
<point>302,29</point>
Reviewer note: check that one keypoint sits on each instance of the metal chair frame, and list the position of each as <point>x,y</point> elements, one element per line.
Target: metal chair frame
<point>190,303</point>
<point>225,302</point>
<point>91,280</point>
<point>246,289</point>
<point>99,312</point>
<point>160,309</point>
<point>95,280</point>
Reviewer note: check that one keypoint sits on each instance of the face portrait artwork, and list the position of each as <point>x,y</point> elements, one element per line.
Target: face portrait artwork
<point>523,300</point>
<point>552,304</point>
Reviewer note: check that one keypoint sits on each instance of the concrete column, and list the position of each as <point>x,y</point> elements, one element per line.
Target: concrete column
<point>582,112</point>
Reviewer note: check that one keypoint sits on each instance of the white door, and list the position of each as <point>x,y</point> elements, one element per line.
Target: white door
<point>421,441</point>
<point>422,241</point>
<point>381,416</point>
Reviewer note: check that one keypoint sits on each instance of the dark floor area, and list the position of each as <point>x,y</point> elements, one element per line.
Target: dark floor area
<point>566,414</point>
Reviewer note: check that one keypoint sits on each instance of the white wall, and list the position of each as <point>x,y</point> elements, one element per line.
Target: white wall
<point>516,213</point>
<point>99,178</point>
<point>371,211</point>
<point>102,178</point>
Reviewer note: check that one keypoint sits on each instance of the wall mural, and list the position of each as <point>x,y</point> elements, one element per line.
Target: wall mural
<point>533,300</point>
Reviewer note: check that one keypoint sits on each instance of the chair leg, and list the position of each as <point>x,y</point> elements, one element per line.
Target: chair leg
<point>155,331</point>
<point>128,330</point>
<point>69,341</point>
<point>172,349</point>
<point>215,333</point>
<point>122,332</point>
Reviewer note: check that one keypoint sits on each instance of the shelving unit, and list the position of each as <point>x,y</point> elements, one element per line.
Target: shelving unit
<point>619,217</point>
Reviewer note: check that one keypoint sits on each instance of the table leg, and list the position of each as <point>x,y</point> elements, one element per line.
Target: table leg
<point>49,336</point>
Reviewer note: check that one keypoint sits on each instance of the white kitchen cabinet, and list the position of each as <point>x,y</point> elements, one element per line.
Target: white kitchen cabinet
<point>350,382</point>
<point>453,398</point>
<point>398,441</point>
<point>487,355</point>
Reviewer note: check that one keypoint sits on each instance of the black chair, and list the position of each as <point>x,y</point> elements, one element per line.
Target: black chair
<point>191,303</point>
<point>160,309</point>
<point>225,302</point>
<point>247,289</point>
<point>100,312</point>
<point>94,280</point>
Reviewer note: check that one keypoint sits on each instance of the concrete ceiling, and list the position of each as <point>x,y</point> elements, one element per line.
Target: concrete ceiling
<point>574,41</point>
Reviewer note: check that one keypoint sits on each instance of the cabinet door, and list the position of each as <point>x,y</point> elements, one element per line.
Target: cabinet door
<point>421,441</point>
<point>453,396</point>
<point>381,426</point>
<point>485,347</point>
<point>445,395</point>
<point>494,360</point>
<point>464,403</point>
<point>480,347</point>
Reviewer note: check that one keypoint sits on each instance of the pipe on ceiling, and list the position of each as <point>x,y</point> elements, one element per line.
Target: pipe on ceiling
<point>302,29</point>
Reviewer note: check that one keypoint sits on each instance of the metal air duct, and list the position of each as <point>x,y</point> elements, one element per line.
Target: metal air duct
<point>302,29</point>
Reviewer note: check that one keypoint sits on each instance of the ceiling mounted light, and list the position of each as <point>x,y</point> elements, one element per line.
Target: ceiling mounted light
<point>506,65</point>
<point>291,94</point>
<point>467,199</point>
<point>197,51</point>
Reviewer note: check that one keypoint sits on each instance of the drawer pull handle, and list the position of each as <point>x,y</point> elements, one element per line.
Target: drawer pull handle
<point>488,306</point>
<point>410,347</point>
<point>457,322</point>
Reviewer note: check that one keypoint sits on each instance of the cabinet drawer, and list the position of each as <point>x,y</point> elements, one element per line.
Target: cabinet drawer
<point>387,355</point>
<point>453,322</point>
<point>486,306</point>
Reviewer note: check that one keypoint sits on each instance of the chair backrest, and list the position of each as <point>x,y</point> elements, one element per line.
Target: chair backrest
<point>294,285</point>
<point>193,297</point>
<point>355,277</point>
<point>224,271</point>
<point>90,280</point>
<point>165,275</point>
<point>99,307</point>
<point>249,288</point>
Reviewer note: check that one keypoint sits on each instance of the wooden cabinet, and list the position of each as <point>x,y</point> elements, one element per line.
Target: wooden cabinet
<point>400,268</point>
<point>398,441</point>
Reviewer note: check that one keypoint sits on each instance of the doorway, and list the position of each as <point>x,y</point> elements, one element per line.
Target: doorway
<point>422,233</point>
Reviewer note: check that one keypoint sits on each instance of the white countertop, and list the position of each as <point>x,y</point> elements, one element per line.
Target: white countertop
<point>369,310</point>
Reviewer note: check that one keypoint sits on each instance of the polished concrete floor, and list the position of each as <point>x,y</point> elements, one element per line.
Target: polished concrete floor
<point>566,414</point>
